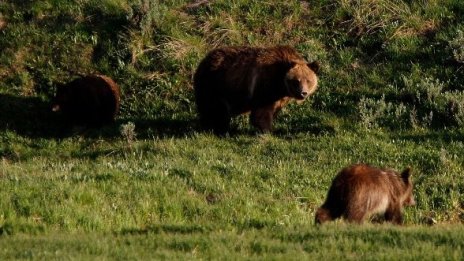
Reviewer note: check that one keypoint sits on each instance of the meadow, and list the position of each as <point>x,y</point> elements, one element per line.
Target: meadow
<point>154,186</point>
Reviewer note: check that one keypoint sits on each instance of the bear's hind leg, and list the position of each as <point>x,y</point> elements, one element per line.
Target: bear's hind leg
<point>215,117</point>
<point>355,214</point>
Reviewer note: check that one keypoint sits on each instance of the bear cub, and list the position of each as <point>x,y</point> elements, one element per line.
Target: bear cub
<point>231,81</point>
<point>360,191</point>
<point>91,100</point>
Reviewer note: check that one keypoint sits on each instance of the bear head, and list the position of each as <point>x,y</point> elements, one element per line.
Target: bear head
<point>301,79</point>
<point>61,97</point>
<point>407,197</point>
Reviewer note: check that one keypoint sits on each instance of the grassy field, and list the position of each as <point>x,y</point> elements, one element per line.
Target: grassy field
<point>153,186</point>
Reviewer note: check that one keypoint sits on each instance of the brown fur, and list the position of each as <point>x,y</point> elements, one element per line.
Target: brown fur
<point>360,191</point>
<point>234,80</point>
<point>91,100</point>
<point>2,23</point>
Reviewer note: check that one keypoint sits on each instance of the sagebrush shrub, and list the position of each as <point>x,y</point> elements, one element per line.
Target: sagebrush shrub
<point>128,132</point>
<point>455,108</point>
<point>457,46</point>
<point>375,113</point>
<point>424,104</point>
<point>145,14</point>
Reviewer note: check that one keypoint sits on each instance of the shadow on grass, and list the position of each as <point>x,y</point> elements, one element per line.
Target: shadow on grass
<point>32,117</point>
<point>28,116</point>
<point>145,128</point>
<point>316,128</point>
<point>174,229</point>
<point>164,127</point>
<point>436,136</point>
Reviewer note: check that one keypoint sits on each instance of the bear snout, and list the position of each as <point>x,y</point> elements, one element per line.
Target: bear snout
<point>410,202</point>
<point>301,96</point>
<point>56,107</point>
<point>302,93</point>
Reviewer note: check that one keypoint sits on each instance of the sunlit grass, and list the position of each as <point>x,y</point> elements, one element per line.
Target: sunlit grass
<point>153,186</point>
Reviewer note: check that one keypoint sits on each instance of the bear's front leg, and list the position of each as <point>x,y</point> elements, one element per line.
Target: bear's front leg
<point>262,118</point>
<point>394,215</point>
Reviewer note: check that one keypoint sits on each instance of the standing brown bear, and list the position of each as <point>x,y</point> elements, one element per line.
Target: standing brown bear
<point>91,100</point>
<point>359,191</point>
<point>234,80</point>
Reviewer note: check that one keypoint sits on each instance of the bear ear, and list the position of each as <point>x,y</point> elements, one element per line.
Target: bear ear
<point>406,174</point>
<point>315,66</point>
<point>59,86</point>
<point>289,65</point>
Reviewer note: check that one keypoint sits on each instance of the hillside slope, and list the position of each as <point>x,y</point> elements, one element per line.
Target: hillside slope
<point>390,94</point>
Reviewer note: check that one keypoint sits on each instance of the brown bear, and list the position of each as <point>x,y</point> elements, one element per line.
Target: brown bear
<point>91,100</point>
<point>360,191</point>
<point>231,81</point>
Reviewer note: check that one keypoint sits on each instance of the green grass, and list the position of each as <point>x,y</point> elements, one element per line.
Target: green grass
<point>281,243</point>
<point>153,186</point>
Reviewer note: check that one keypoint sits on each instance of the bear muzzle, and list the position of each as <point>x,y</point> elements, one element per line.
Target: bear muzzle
<point>410,202</point>
<point>56,107</point>
<point>301,94</point>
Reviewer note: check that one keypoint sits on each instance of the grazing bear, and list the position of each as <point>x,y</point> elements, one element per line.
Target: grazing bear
<point>234,80</point>
<point>360,191</point>
<point>91,100</point>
